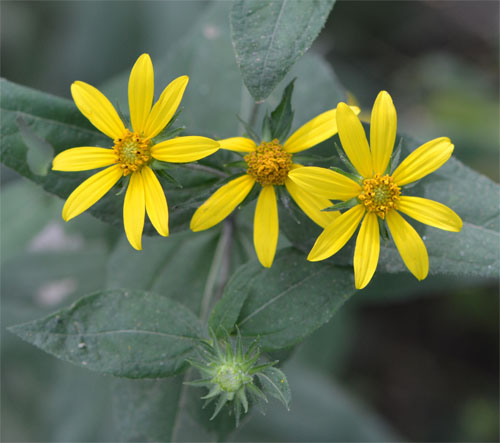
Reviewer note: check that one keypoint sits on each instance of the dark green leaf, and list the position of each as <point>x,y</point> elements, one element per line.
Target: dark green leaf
<point>282,117</point>
<point>249,130</point>
<point>146,410</point>
<point>285,303</point>
<point>131,334</point>
<point>343,205</point>
<point>266,128</point>
<point>40,153</point>
<point>269,37</point>
<point>225,313</point>
<point>275,384</point>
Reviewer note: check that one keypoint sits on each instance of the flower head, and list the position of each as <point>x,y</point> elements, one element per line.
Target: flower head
<point>269,165</point>
<point>133,150</point>
<point>230,374</point>
<point>378,195</point>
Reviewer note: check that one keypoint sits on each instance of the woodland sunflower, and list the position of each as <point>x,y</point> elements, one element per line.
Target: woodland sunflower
<point>268,166</point>
<point>133,150</point>
<point>377,195</point>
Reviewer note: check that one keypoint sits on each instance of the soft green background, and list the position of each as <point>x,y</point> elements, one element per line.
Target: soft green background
<point>411,361</point>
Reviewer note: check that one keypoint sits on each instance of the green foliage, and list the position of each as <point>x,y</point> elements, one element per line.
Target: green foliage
<point>279,123</point>
<point>153,327</point>
<point>125,333</point>
<point>284,304</point>
<point>269,37</point>
<point>53,120</point>
<point>275,384</point>
<point>147,409</point>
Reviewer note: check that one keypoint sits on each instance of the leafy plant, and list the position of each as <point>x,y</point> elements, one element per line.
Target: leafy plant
<point>147,320</point>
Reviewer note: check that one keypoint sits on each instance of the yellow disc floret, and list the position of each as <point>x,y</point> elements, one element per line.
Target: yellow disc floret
<point>379,195</point>
<point>269,164</point>
<point>132,152</point>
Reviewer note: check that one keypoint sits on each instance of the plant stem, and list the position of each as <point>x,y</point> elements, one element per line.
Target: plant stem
<point>248,109</point>
<point>219,270</point>
<point>253,115</point>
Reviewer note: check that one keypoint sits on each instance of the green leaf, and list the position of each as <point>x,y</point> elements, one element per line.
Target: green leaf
<point>146,410</point>
<point>275,384</point>
<point>283,304</point>
<point>282,117</point>
<point>225,313</point>
<point>40,153</point>
<point>54,120</point>
<point>269,37</point>
<point>266,128</point>
<point>342,205</point>
<point>125,333</point>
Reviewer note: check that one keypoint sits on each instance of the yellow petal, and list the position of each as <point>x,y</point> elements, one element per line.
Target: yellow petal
<point>382,131</point>
<point>184,149</point>
<point>336,234</point>
<point>238,144</point>
<point>141,88</point>
<point>423,160</point>
<point>353,139</point>
<point>409,244</point>
<point>97,108</point>
<point>83,159</point>
<point>367,251</point>
<point>90,191</point>
<point>430,212</point>
<point>221,203</point>
<point>325,182</point>
<point>266,226</point>
<point>312,204</point>
<point>164,109</point>
<point>315,131</point>
<point>156,203</point>
<point>134,209</point>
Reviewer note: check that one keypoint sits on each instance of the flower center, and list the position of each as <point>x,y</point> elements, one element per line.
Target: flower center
<point>269,164</point>
<point>132,152</point>
<point>379,195</point>
<point>230,378</point>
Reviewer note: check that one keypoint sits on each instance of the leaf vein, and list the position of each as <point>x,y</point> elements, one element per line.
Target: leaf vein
<point>281,294</point>
<point>123,331</point>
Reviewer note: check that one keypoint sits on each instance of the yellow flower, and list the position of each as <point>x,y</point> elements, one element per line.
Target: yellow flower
<point>269,165</point>
<point>133,150</point>
<point>379,194</point>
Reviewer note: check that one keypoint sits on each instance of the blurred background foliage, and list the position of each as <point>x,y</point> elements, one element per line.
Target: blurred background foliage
<point>408,361</point>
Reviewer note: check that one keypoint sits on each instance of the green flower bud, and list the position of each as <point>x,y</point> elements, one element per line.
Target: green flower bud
<point>230,375</point>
